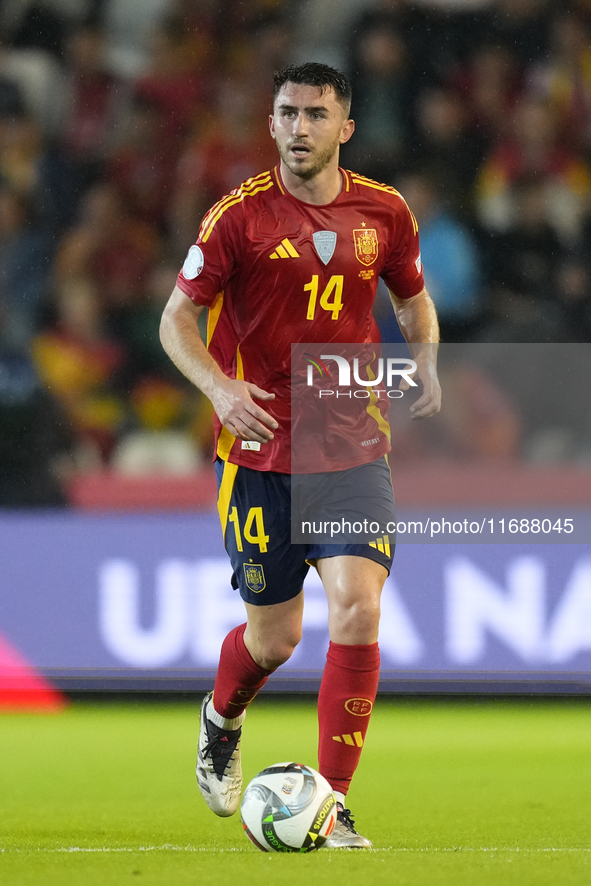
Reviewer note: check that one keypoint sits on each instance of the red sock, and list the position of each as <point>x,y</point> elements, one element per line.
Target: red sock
<point>239,677</point>
<point>347,694</point>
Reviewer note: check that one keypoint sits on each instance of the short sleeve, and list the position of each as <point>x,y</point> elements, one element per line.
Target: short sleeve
<point>403,271</point>
<point>212,258</point>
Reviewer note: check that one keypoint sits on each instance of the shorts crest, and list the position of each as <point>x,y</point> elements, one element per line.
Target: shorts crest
<point>254,577</point>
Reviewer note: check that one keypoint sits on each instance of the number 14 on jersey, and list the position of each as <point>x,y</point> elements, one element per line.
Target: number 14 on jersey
<point>333,288</point>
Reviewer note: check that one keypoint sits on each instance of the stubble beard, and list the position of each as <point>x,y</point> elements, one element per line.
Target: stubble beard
<point>322,161</point>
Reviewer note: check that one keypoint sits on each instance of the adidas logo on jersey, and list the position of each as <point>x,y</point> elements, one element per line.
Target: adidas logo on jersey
<point>285,250</point>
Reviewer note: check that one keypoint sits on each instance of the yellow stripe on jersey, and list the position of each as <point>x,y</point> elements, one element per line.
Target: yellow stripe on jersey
<point>213,315</point>
<point>237,198</point>
<point>375,413</point>
<point>347,180</point>
<point>280,252</point>
<point>225,493</point>
<point>373,410</point>
<point>225,442</point>
<point>357,176</point>
<point>239,364</point>
<point>226,439</point>
<point>254,179</point>
<point>248,184</point>
<point>370,183</point>
<point>211,212</point>
<point>278,180</point>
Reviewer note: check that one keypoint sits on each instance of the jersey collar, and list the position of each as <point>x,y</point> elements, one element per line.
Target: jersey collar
<point>344,190</point>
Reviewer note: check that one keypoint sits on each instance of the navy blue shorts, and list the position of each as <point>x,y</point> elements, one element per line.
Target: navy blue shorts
<point>255,513</point>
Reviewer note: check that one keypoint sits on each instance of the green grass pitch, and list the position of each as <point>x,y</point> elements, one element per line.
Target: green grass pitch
<point>464,792</point>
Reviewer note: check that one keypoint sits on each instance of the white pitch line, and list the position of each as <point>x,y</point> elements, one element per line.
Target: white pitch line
<point>170,848</point>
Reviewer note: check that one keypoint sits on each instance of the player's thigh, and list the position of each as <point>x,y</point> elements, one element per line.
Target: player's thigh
<point>348,507</point>
<point>255,511</point>
<point>348,579</point>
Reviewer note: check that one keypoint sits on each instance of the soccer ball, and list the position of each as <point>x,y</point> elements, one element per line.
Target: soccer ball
<point>288,808</point>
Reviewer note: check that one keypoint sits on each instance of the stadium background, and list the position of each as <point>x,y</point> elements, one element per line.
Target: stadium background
<point>120,123</point>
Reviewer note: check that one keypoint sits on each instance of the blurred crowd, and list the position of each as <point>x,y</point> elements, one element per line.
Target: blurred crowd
<point>122,121</point>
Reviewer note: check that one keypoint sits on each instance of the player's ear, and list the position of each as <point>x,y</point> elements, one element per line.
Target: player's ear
<point>272,125</point>
<point>347,131</point>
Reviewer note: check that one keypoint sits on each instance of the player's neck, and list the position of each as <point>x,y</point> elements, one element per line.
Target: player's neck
<point>320,190</point>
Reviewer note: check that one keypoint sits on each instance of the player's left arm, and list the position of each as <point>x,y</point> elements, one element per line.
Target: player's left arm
<point>417,319</point>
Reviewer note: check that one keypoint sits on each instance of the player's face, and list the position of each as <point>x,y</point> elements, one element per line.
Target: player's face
<point>308,126</point>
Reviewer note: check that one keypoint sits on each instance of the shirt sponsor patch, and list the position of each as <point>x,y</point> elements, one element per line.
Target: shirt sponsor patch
<point>251,444</point>
<point>419,264</point>
<point>193,263</point>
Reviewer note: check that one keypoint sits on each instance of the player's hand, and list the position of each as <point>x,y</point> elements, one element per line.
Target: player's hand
<point>429,403</point>
<point>235,407</point>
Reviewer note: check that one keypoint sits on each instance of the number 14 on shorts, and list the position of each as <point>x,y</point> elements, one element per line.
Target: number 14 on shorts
<point>253,529</point>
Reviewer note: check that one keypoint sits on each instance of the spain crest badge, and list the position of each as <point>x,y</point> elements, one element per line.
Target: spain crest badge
<point>366,245</point>
<point>254,577</point>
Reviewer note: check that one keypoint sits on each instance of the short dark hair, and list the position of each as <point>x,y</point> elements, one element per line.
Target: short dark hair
<point>315,74</point>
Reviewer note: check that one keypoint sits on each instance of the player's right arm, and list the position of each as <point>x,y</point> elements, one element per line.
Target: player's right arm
<point>414,308</point>
<point>232,398</point>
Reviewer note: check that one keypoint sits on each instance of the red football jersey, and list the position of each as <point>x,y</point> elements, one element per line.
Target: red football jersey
<point>274,270</point>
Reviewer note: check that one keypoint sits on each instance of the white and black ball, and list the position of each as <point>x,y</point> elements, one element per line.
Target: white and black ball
<point>288,807</point>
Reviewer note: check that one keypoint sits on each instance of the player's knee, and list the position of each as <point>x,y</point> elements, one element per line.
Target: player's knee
<point>274,652</point>
<point>274,656</point>
<point>357,622</point>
